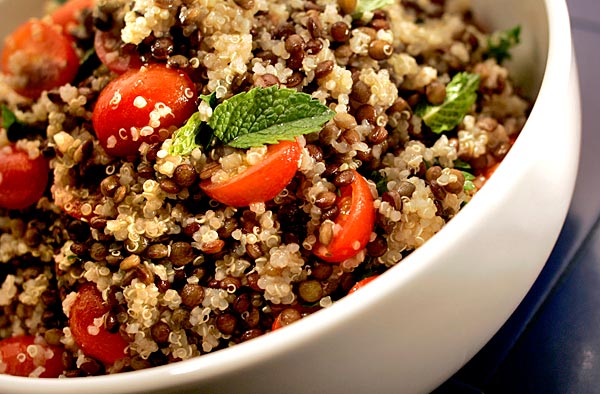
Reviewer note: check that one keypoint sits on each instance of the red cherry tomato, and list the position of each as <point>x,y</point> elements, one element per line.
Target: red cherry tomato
<point>117,58</point>
<point>488,172</point>
<point>362,283</point>
<point>144,105</point>
<point>22,180</point>
<point>21,356</point>
<point>38,57</point>
<point>260,182</point>
<point>94,340</point>
<point>353,225</point>
<point>67,14</point>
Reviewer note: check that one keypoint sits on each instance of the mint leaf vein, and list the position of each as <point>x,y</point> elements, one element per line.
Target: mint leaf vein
<point>266,116</point>
<point>461,94</point>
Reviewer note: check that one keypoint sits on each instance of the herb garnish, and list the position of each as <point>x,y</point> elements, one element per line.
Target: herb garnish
<point>380,182</point>
<point>371,5</point>
<point>15,129</point>
<point>257,117</point>
<point>500,43</point>
<point>461,94</point>
<point>469,178</point>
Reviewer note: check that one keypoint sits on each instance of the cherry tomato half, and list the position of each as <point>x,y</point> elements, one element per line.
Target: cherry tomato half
<point>94,340</point>
<point>67,15</point>
<point>22,180</point>
<point>22,356</point>
<point>117,58</point>
<point>38,57</point>
<point>144,105</point>
<point>353,225</point>
<point>260,182</point>
<point>362,283</point>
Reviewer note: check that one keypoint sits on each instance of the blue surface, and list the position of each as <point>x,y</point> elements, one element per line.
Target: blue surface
<point>551,344</point>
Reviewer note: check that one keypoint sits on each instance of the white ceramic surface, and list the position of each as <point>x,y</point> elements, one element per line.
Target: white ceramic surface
<point>430,314</point>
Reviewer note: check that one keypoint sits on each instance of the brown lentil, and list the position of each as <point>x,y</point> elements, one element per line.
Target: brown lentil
<point>160,332</point>
<point>245,4</point>
<point>288,316</point>
<point>324,68</point>
<point>242,303</point>
<point>109,185</point>
<point>377,135</point>
<point>344,178</point>
<point>367,113</point>
<point>192,295</point>
<point>310,290</point>
<point>406,189</point>
<point>380,50</point>
<point>181,253</point>
<point>347,6</point>
<point>185,175</point>
<point>361,92</point>
<point>130,262</point>
<point>251,334</point>
<point>345,121</point>
<point>325,199</point>
<point>157,252</point>
<point>170,186</point>
<point>340,31</point>
<point>435,92</point>
<point>314,46</point>
<point>226,323</point>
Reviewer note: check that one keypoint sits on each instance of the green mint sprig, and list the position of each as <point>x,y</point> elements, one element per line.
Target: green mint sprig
<point>266,116</point>
<point>500,43</point>
<point>461,94</point>
<point>254,118</point>
<point>371,5</point>
<point>8,117</point>
<point>184,139</point>
<point>469,178</point>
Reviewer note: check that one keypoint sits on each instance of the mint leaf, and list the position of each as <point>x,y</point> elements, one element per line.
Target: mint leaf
<point>371,5</point>
<point>266,116</point>
<point>380,182</point>
<point>461,94</point>
<point>15,129</point>
<point>462,165</point>
<point>468,176</point>
<point>8,117</point>
<point>210,99</point>
<point>500,43</point>
<point>468,186</point>
<point>184,138</point>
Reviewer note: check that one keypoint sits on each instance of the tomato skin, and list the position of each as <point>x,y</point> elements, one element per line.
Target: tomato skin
<point>67,14</point>
<point>12,349</point>
<point>260,182</point>
<point>22,180</point>
<point>38,57</point>
<point>128,101</point>
<point>488,172</point>
<point>355,223</point>
<point>109,51</point>
<point>104,346</point>
<point>362,283</point>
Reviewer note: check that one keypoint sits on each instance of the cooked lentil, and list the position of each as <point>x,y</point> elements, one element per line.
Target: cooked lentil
<point>183,275</point>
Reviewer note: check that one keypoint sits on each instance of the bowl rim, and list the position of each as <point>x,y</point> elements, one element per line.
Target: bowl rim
<point>272,344</point>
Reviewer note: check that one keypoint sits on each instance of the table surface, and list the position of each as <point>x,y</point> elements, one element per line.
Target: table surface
<point>551,344</point>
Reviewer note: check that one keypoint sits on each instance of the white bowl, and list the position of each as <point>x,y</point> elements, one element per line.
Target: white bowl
<point>429,315</point>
